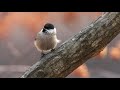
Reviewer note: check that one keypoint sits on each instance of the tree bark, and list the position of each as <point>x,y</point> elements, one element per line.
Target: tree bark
<point>78,49</point>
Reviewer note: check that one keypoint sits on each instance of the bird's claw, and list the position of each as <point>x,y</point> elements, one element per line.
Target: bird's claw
<point>52,50</point>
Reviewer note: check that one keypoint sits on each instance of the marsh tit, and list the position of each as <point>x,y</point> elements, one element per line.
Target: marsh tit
<point>46,39</point>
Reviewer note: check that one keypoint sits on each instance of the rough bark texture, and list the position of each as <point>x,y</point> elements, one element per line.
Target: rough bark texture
<point>78,49</point>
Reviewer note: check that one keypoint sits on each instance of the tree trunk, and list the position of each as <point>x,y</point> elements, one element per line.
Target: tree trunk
<point>78,49</point>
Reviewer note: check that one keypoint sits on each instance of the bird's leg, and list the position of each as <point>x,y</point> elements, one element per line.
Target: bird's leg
<point>42,54</point>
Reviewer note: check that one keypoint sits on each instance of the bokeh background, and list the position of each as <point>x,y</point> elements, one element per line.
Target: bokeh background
<point>17,51</point>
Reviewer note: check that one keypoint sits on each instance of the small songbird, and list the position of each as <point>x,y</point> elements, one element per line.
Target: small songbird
<point>46,39</point>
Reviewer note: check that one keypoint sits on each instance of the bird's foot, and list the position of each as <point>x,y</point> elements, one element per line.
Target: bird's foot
<point>52,50</point>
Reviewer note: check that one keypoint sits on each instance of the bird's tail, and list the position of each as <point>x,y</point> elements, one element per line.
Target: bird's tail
<point>58,41</point>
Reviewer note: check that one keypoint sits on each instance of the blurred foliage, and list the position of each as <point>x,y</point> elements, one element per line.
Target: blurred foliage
<point>18,29</point>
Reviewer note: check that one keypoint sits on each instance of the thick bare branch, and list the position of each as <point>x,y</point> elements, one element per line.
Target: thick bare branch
<point>78,49</point>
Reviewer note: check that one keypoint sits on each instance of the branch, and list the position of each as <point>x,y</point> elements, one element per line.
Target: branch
<point>78,49</point>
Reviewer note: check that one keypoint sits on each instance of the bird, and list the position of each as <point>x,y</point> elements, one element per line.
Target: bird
<point>46,39</point>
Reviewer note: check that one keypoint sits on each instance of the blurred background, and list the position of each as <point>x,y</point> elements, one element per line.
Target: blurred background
<point>17,51</point>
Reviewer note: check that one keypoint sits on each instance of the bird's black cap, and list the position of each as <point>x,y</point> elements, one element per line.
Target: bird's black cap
<point>49,26</point>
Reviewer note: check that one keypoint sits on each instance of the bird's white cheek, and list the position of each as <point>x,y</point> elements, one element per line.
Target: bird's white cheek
<point>52,31</point>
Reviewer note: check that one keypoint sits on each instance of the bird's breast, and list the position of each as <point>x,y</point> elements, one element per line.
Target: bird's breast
<point>46,42</point>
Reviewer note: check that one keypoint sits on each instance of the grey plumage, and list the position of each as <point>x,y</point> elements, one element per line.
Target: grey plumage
<point>45,41</point>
